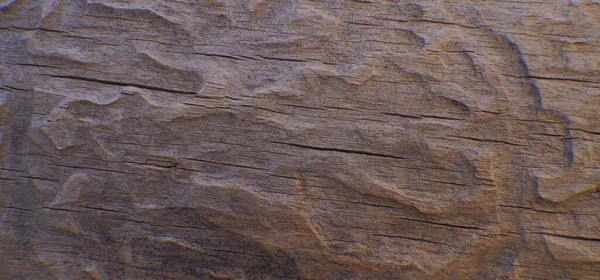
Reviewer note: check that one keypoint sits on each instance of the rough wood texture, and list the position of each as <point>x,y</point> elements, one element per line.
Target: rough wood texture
<point>289,139</point>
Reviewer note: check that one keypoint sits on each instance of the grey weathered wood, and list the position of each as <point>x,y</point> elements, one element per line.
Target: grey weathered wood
<point>288,139</point>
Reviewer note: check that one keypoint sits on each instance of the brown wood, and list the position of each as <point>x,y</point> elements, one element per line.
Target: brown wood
<point>293,139</point>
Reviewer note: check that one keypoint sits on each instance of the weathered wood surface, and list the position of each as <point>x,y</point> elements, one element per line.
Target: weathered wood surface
<point>288,139</point>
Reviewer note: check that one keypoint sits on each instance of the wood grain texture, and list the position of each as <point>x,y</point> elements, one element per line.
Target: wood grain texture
<point>292,139</point>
